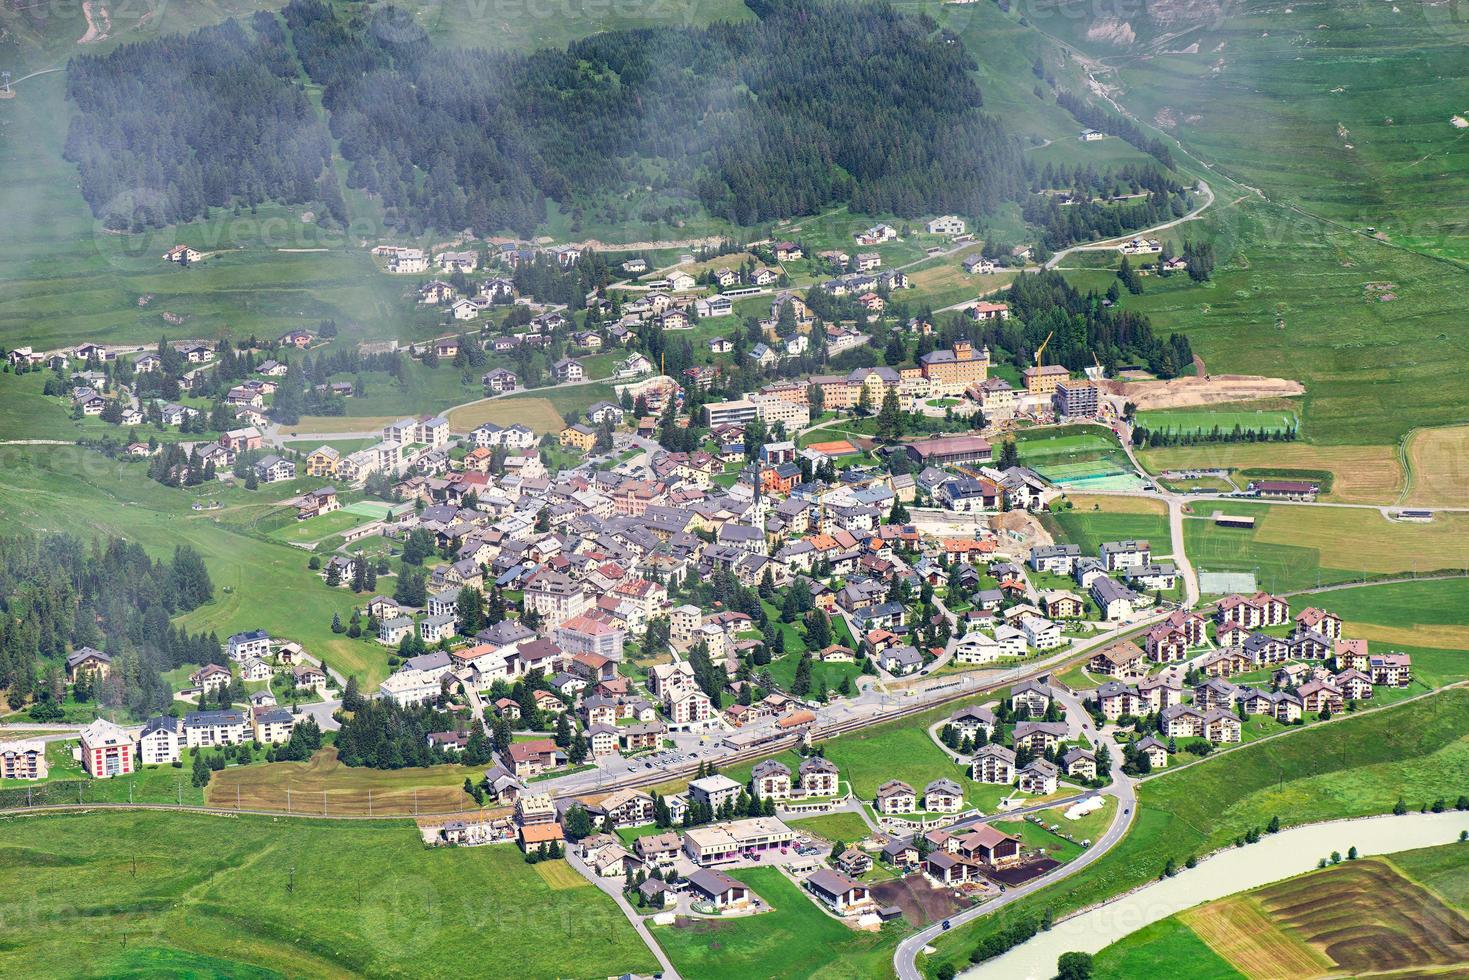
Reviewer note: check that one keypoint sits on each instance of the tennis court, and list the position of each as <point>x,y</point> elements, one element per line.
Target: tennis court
<point>1226,583</point>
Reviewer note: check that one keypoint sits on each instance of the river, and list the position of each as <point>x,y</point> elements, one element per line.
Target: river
<point>1275,857</point>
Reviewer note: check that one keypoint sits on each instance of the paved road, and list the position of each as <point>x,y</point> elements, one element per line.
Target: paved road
<point>905,960</point>
<point>1107,245</point>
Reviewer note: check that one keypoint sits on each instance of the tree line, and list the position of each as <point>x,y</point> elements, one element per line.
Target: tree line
<point>1095,117</point>
<point>60,593</point>
<point>1143,436</point>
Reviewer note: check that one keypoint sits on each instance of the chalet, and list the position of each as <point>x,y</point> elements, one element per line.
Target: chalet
<point>85,661</point>
<point>838,892</point>
<point>1122,660</point>
<point>715,888</point>
<point>1039,777</point>
<point>1391,669</point>
<point>895,796</point>
<point>993,764</point>
<point>943,796</point>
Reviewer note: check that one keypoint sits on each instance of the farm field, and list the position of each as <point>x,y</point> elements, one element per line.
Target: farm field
<point>1250,939</point>
<point>537,412</point>
<point>251,572</point>
<point>1443,870</point>
<point>1417,751</point>
<point>796,939</point>
<point>1419,613</point>
<point>323,784</point>
<point>247,893</point>
<point>1436,467</point>
<point>1296,547</point>
<point>1093,520</point>
<point>1360,474</point>
<point>1353,919</point>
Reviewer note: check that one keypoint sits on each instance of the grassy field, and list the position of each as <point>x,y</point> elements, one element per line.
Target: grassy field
<point>158,890</point>
<point>1360,474</point>
<point>1417,613</point>
<point>796,939</point>
<point>1444,870</point>
<point>1188,421</point>
<point>323,784</point>
<point>1093,520</point>
<point>1436,467</point>
<point>1157,950</point>
<point>70,489</point>
<point>1343,109</point>
<point>1300,547</point>
<point>845,827</point>
<point>1393,912</point>
<point>538,413</point>
<point>1353,767</point>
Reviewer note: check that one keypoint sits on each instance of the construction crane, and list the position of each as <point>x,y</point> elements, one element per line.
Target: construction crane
<point>1042,348</point>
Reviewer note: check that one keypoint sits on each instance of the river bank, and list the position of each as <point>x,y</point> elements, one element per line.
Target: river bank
<point>1275,857</point>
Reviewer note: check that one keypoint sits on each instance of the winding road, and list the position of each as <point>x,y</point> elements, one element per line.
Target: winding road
<point>1122,788</point>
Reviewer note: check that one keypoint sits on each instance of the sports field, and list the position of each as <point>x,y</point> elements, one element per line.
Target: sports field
<point>323,785</point>
<point>1438,467</point>
<point>176,894</point>
<point>323,526</point>
<point>1182,421</point>
<point>1076,456</point>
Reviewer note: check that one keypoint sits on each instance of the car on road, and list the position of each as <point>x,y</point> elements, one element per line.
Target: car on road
<point>946,925</point>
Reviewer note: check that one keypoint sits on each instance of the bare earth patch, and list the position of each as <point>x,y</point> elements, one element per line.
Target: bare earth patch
<point>1192,391</point>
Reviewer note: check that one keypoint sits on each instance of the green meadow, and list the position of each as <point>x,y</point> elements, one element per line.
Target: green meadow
<point>259,581</point>
<point>795,939</point>
<point>1205,421</point>
<point>133,893</point>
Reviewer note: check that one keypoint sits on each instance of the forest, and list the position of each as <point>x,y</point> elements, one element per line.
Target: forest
<point>168,128</point>
<point>1079,325</point>
<point>794,112</point>
<point>60,593</point>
